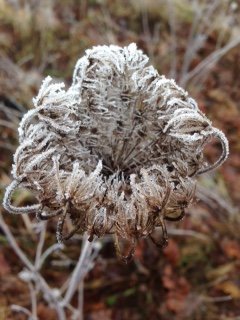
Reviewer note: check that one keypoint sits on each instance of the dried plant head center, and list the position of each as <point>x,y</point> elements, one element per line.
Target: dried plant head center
<point>118,152</point>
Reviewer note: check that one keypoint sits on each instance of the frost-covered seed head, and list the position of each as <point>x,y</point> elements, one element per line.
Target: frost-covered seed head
<point>118,152</point>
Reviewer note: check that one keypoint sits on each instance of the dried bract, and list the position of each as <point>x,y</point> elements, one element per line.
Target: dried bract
<point>117,153</point>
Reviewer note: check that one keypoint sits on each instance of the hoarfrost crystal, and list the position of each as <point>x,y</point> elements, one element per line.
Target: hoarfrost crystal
<point>117,153</point>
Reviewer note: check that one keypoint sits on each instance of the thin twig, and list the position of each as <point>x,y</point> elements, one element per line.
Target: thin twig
<point>208,62</point>
<point>40,246</point>
<point>33,295</point>
<point>37,277</point>
<point>79,271</point>
<point>217,299</point>
<point>190,233</point>
<point>172,24</point>
<point>17,308</point>
<point>50,250</point>
<point>14,244</point>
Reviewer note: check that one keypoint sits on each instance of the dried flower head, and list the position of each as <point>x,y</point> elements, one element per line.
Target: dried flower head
<point>118,152</point>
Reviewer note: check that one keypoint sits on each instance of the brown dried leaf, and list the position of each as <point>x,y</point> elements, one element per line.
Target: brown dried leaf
<point>175,304</point>
<point>46,313</point>
<point>168,283</point>
<point>221,271</point>
<point>4,266</point>
<point>231,249</point>
<point>172,252</point>
<point>101,315</point>
<point>230,288</point>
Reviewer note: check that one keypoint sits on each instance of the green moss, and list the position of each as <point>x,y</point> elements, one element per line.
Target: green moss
<point>111,300</point>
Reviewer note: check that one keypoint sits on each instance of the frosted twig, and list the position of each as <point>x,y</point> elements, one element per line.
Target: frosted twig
<point>225,152</point>
<point>7,200</point>
<point>49,251</point>
<point>7,124</point>
<point>14,244</point>
<point>40,245</point>
<point>209,62</point>
<point>17,308</point>
<point>215,201</point>
<point>79,271</point>
<point>188,233</point>
<point>42,283</point>
<point>172,23</point>
<point>33,295</point>
<point>78,314</point>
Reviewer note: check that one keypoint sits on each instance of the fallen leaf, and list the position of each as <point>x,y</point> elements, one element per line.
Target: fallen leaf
<point>231,248</point>
<point>183,285</point>
<point>3,308</point>
<point>101,315</point>
<point>168,283</point>
<point>175,304</point>
<point>45,312</point>
<point>230,288</point>
<point>221,271</point>
<point>171,252</point>
<point>4,266</point>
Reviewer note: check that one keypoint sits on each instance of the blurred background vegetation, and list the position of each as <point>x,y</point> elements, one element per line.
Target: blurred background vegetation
<point>197,42</point>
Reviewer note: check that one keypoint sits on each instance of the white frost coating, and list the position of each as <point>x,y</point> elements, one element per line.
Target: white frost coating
<point>48,89</point>
<point>7,200</point>
<point>117,152</point>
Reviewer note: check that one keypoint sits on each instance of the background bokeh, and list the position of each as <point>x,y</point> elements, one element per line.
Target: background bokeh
<point>197,42</point>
